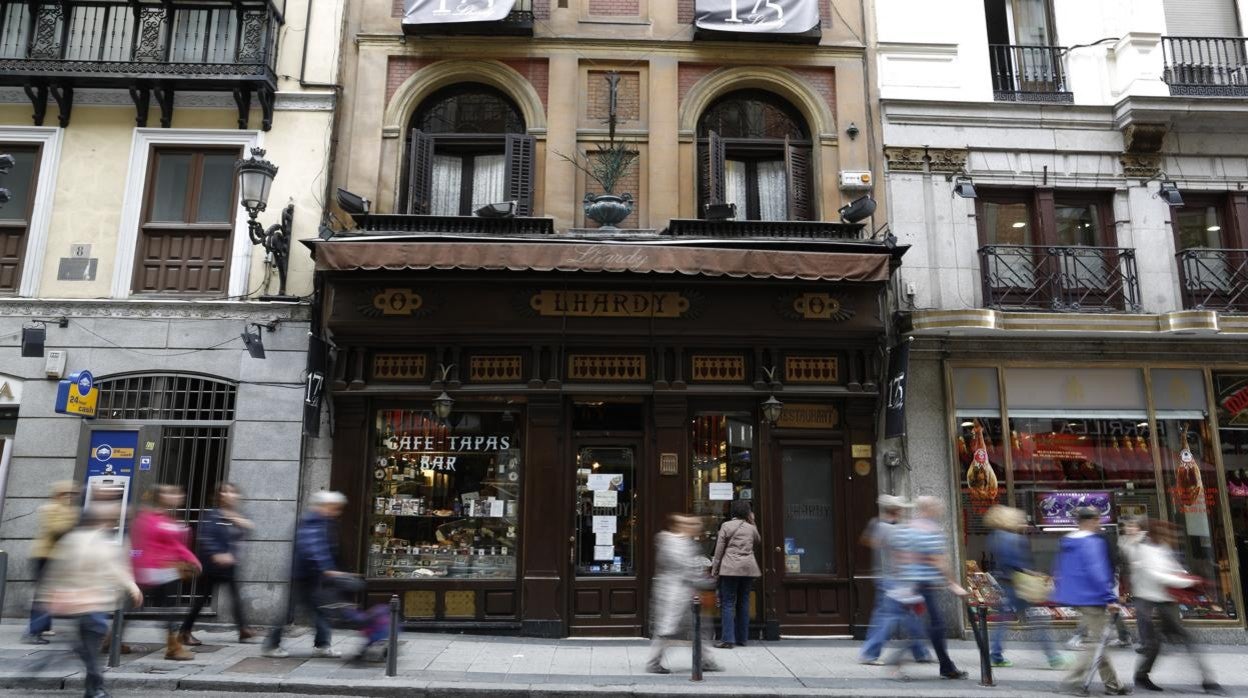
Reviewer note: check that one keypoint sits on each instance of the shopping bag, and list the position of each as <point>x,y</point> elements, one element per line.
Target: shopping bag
<point>1032,588</point>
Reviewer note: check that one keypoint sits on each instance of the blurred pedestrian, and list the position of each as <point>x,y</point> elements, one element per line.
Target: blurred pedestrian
<point>162,560</point>
<point>680,571</point>
<point>735,568</point>
<point>926,563</point>
<point>881,536</point>
<point>220,531</point>
<point>57,517</point>
<point>1158,574</point>
<point>1121,570</point>
<point>1084,579</point>
<point>1014,572</point>
<point>316,562</point>
<point>85,574</point>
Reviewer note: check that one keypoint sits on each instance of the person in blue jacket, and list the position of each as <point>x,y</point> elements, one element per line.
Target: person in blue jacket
<point>1012,556</point>
<point>316,547</point>
<point>218,535</point>
<point>1084,578</point>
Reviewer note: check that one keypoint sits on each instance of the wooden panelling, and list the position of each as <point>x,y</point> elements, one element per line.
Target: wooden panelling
<point>795,600</point>
<point>399,367</point>
<point>811,369</point>
<point>12,248</point>
<point>500,602</point>
<point>709,368</point>
<point>495,369</point>
<point>588,602</point>
<point>623,602</point>
<point>829,600</point>
<point>607,367</point>
<point>420,604</point>
<point>460,604</point>
<point>182,261</point>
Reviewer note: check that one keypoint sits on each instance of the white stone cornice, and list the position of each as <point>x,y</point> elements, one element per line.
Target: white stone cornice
<point>153,308</point>
<point>96,97</point>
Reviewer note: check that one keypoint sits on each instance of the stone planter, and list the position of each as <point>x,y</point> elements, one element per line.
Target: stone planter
<point>608,209</point>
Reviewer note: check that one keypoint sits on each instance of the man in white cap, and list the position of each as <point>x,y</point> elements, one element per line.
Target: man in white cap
<point>880,537</point>
<point>316,548</point>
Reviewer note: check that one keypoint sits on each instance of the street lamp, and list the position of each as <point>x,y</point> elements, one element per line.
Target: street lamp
<point>442,405</point>
<point>255,178</point>
<point>772,409</point>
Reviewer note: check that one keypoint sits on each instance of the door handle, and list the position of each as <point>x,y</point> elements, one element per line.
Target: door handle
<point>572,550</point>
<point>778,549</point>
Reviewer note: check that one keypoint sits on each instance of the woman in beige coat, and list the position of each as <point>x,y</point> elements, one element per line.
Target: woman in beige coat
<point>735,569</point>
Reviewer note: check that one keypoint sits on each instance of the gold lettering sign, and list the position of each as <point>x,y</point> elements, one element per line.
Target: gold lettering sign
<point>5,391</point>
<point>860,450</point>
<point>397,301</point>
<point>669,464</point>
<point>639,304</point>
<point>820,306</point>
<point>808,417</point>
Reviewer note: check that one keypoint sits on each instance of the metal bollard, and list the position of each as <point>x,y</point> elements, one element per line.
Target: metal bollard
<point>979,628</point>
<point>392,645</point>
<point>696,674</point>
<point>4,575</point>
<point>114,640</point>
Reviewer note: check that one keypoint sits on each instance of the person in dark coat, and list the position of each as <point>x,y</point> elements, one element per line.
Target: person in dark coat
<point>219,533</point>
<point>316,547</point>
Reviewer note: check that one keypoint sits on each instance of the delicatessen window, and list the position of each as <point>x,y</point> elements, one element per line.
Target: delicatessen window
<point>445,495</point>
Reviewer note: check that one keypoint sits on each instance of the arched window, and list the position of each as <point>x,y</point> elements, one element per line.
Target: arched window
<point>754,150</point>
<point>466,148</point>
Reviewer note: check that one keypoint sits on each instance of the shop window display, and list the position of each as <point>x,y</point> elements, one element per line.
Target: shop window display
<point>1231,396</point>
<point>722,469</point>
<point>446,495</point>
<point>606,515</point>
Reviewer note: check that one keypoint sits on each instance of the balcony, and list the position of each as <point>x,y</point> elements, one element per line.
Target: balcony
<point>1060,279</point>
<point>1029,74</point>
<point>791,230</point>
<point>149,48</point>
<point>517,22</point>
<point>1214,279</point>
<point>1205,66</point>
<point>407,223</point>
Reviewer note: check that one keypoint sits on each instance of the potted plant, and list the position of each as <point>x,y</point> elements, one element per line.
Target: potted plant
<point>607,165</point>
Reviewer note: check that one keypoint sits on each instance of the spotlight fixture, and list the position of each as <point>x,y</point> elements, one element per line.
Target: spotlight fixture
<point>720,212</point>
<point>32,341</point>
<point>1169,192</point>
<point>964,187</point>
<point>506,209</point>
<point>352,204</point>
<point>255,345</point>
<point>858,210</point>
<point>852,131</point>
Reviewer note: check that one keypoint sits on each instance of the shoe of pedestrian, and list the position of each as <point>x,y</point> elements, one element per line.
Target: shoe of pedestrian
<point>99,693</point>
<point>1059,662</point>
<point>325,653</point>
<point>274,652</point>
<point>52,633</point>
<point>872,662</point>
<point>1120,691</point>
<point>246,634</point>
<point>1002,663</point>
<point>657,668</point>
<point>174,650</point>
<point>924,660</point>
<point>36,639</point>
<point>740,644</point>
<point>953,675</point>
<point>1119,643</point>
<point>724,645</point>
<point>1074,643</point>
<point>712,666</point>
<point>189,640</point>
<point>1142,681</point>
<point>1213,688</point>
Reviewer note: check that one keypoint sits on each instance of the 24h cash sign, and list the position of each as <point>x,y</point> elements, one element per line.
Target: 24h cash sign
<point>758,16</point>
<point>449,11</point>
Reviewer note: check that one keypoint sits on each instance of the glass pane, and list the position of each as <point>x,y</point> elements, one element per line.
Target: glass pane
<point>981,469</point>
<point>19,182</point>
<point>1193,499</point>
<point>606,518</point>
<point>773,191</point>
<point>448,174</point>
<point>173,173</point>
<point>446,497</point>
<point>487,180</point>
<point>752,115</point>
<point>1231,395</point>
<point>722,467</point>
<point>1007,224</point>
<point>1031,22</point>
<point>1199,226</point>
<point>734,187</point>
<point>469,109</point>
<point>809,524</point>
<point>216,189</point>
<point>1078,225</point>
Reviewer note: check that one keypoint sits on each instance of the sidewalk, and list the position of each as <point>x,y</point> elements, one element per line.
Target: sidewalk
<point>466,665</point>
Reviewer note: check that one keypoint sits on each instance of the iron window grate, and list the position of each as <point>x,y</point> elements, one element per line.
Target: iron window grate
<point>167,397</point>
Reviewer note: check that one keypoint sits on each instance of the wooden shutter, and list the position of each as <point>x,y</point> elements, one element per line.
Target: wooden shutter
<point>518,184</point>
<point>1211,18</point>
<point>797,179</point>
<point>419,172</point>
<point>711,183</point>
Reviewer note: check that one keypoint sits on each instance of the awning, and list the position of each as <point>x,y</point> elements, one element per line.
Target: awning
<point>345,255</point>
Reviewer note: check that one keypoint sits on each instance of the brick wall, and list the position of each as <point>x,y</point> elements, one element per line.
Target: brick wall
<point>630,183</point>
<point>615,8</point>
<point>628,97</point>
<point>535,70</point>
<point>400,68</point>
<point>688,75</point>
<point>821,80</point>
<point>396,8</point>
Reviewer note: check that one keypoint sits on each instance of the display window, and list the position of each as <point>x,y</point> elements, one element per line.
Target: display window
<point>978,444</point>
<point>1231,397</point>
<point>445,495</point>
<point>722,467</point>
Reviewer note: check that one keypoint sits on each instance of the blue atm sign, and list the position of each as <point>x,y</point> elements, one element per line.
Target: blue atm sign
<point>78,395</point>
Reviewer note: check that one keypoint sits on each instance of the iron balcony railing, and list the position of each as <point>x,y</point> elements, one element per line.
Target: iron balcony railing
<point>518,22</point>
<point>1214,279</point>
<point>113,42</point>
<point>1062,279</point>
<point>1206,66</point>
<point>391,223</point>
<point>1028,73</point>
<point>738,229</point>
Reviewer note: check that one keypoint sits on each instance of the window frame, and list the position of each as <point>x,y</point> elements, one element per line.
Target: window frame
<point>49,139</point>
<point>1234,209</point>
<point>25,224</point>
<point>1043,204</point>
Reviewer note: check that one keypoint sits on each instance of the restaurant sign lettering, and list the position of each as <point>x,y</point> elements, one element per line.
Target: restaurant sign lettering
<point>1232,391</point>
<point>620,304</point>
<point>451,11</point>
<point>758,16</point>
<point>795,416</point>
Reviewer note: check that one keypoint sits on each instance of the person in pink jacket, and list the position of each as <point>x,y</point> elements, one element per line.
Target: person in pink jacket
<point>161,555</point>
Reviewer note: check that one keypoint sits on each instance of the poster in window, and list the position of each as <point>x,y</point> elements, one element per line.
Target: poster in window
<point>758,16</point>
<point>451,11</point>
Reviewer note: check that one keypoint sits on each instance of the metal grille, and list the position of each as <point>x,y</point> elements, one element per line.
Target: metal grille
<point>167,397</point>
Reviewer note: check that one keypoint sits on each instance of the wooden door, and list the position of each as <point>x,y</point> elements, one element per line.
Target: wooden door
<point>607,545</point>
<point>810,575</point>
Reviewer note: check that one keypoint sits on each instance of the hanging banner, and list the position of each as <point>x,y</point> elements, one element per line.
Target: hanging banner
<point>452,11</point>
<point>895,408</point>
<point>758,16</point>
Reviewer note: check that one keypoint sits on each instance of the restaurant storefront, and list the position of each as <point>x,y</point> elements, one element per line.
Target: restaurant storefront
<point>512,437</point>
<point>1162,440</point>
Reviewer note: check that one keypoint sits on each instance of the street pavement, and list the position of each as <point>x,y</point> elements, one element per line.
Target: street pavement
<point>466,665</point>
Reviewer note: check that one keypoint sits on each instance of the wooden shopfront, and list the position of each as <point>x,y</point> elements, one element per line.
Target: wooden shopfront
<point>596,389</point>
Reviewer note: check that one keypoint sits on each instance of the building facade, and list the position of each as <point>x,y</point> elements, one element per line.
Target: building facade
<point>1071,182</point>
<point>126,245</point>
<point>521,394</point>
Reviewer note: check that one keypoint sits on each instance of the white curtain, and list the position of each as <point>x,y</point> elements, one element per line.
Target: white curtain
<point>488,172</point>
<point>448,171</point>
<point>734,186</point>
<point>773,192</point>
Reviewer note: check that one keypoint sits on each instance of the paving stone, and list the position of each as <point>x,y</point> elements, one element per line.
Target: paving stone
<point>266,665</point>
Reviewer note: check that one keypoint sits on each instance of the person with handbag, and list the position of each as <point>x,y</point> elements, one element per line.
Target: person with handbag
<point>85,573</point>
<point>220,531</point>
<point>927,566</point>
<point>680,571</point>
<point>1158,580</point>
<point>162,559</point>
<point>735,568</point>
<point>881,536</point>
<point>1021,585</point>
<point>57,517</point>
